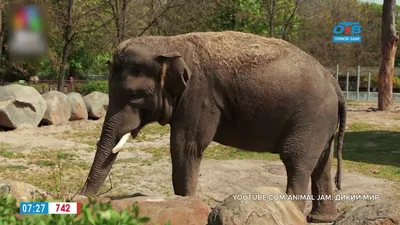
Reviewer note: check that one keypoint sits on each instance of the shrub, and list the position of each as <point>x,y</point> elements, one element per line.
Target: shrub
<point>375,80</point>
<point>41,87</point>
<point>396,82</point>
<point>88,87</point>
<point>92,213</point>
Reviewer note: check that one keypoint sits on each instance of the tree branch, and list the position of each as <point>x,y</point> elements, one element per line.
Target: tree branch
<point>169,6</point>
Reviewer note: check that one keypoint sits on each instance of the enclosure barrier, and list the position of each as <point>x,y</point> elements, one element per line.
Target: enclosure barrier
<point>356,89</point>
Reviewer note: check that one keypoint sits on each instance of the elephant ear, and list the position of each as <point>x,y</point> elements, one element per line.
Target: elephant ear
<point>174,73</point>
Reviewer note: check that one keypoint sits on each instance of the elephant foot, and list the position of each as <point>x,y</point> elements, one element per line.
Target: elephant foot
<point>316,217</point>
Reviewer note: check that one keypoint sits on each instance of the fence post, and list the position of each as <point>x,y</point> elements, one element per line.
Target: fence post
<point>358,82</point>
<point>337,72</point>
<point>369,85</point>
<point>347,86</point>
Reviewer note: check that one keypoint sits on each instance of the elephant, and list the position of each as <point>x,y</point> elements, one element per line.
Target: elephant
<point>238,89</point>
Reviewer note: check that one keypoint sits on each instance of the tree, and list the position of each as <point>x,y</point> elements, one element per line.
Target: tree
<point>76,19</point>
<point>2,29</point>
<point>119,9</point>
<point>389,39</point>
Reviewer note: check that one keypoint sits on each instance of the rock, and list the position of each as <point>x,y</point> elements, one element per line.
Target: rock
<point>22,191</point>
<point>97,104</point>
<point>176,209</point>
<point>20,106</point>
<point>78,107</point>
<point>383,213</point>
<point>256,212</point>
<point>58,108</point>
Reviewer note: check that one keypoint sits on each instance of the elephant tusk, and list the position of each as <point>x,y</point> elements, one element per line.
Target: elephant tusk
<point>121,143</point>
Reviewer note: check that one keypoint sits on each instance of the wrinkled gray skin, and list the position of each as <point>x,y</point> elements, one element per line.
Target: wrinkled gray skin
<point>264,95</point>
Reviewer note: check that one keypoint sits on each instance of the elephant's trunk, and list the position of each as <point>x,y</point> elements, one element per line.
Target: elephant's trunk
<point>104,158</point>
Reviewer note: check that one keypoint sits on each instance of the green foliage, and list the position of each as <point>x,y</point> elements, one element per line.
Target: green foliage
<point>375,80</point>
<point>84,62</point>
<point>92,213</point>
<point>252,16</point>
<point>41,88</point>
<point>90,86</point>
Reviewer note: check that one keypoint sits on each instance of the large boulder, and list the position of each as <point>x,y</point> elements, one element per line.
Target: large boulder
<point>383,213</point>
<point>58,108</point>
<point>97,104</point>
<point>176,209</point>
<point>78,107</point>
<point>20,106</point>
<point>23,192</point>
<point>248,210</point>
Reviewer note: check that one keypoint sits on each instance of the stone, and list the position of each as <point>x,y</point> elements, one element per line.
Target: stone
<point>246,211</point>
<point>58,108</point>
<point>20,106</point>
<point>97,104</point>
<point>382,213</point>
<point>78,107</point>
<point>176,209</point>
<point>22,191</point>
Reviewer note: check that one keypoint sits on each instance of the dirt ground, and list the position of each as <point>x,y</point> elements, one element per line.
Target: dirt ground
<point>137,172</point>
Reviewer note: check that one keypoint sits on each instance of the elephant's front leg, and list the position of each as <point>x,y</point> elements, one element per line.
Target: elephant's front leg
<point>186,156</point>
<point>188,141</point>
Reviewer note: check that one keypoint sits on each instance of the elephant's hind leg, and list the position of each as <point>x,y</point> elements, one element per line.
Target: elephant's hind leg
<point>324,209</point>
<point>299,155</point>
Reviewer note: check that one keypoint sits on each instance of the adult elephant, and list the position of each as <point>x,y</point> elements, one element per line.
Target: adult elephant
<point>241,90</point>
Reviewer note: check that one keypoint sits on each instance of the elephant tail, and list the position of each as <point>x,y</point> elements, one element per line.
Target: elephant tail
<point>342,127</point>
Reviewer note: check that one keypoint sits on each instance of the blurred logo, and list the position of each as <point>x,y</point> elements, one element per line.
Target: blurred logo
<point>27,39</point>
<point>346,32</point>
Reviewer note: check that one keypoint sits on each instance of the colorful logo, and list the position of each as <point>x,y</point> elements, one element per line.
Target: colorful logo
<point>27,18</point>
<point>346,32</point>
<point>27,39</point>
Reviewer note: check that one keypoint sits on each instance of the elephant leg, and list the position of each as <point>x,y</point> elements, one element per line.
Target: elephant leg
<point>189,138</point>
<point>324,209</point>
<point>297,182</point>
<point>300,153</point>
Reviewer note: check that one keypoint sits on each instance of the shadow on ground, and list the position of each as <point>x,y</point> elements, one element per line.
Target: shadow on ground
<point>373,147</point>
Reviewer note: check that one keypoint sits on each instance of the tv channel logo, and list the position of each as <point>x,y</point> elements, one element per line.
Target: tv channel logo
<point>347,32</point>
<point>27,32</point>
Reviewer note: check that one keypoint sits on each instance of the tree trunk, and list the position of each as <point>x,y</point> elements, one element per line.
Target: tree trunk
<point>123,23</point>
<point>67,45</point>
<point>63,66</point>
<point>2,30</point>
<point>389,39</point>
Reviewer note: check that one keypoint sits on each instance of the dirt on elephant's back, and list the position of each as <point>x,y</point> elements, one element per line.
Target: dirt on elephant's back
<point>229,48</point>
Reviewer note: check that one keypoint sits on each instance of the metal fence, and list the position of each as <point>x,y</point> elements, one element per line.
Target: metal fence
<point>360,83</point>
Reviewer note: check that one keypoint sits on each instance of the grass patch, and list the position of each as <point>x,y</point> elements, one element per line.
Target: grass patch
<point>65,155</point>
<point>360,126</point>
<point>10,153</point>
<point>157,152</point>
<point>45,163</point>
<point>59,172</point>
<point>17,167</point>
<point>152,132</point>
<point>372,151</point>
<point>89,137</point>
<point>222,152</point>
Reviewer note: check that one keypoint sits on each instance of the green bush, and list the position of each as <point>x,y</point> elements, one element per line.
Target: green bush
<point>41,87</point>
<point>375,80</point>
<point>90,86</point>
<point>92,213</point>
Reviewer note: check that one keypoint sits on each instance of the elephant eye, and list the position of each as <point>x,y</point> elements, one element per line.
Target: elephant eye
<point>137,94</point>
<point>135,70</point>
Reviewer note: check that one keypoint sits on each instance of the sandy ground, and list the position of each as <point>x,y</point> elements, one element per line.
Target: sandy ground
<point>218,178</point>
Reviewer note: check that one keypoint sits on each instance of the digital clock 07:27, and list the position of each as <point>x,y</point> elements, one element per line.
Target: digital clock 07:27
<point>33,208</point>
